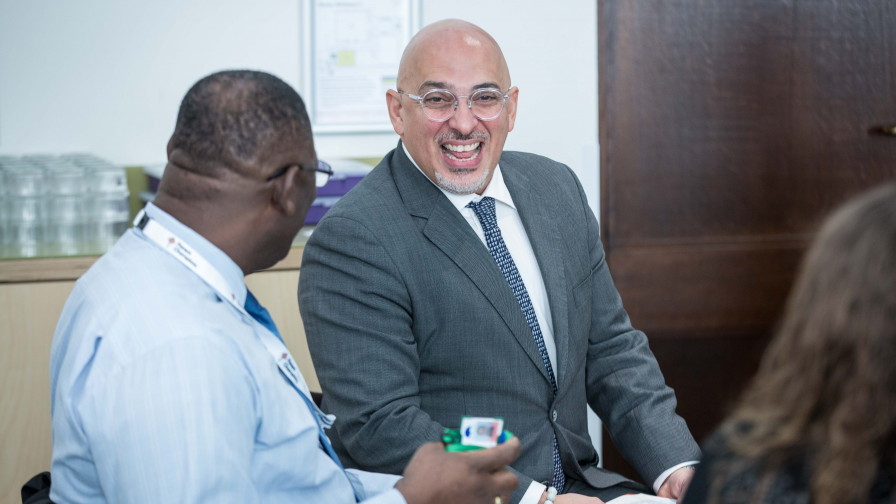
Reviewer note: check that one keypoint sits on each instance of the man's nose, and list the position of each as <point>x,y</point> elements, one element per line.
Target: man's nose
<point>463,119</point>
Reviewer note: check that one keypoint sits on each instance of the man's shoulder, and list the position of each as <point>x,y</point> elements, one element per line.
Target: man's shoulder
<point>534,170</point>
<point>127,261</point>
<point>130,286</point>
<point>528,159</point>
<point>527,156</point>
<point>373,196</point>
<point>534,166</point>
<point>132,305</point>
<point>378,180</point>
<point>131,268</point>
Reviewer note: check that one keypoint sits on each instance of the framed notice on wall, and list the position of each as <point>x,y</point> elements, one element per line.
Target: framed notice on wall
<point>352,51</point>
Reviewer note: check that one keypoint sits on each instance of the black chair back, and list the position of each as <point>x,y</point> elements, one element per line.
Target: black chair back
<point>37,490</point>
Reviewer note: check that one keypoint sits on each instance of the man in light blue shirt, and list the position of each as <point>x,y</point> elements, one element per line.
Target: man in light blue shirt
<point>169,382</point>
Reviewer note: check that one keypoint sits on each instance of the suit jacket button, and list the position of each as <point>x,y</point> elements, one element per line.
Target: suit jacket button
<point>554,415</point>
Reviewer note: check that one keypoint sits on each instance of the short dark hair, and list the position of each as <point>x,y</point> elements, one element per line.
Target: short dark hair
<point>230,118</point>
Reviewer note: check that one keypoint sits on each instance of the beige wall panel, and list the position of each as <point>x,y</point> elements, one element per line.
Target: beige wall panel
<point>277,291</point>
<point>28,315</point>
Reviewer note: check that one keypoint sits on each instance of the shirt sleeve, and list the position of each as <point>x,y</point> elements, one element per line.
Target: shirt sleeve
<point>392,496</point>
<point>533,493</point>
<point>668,472</point>
<point>377,488</point>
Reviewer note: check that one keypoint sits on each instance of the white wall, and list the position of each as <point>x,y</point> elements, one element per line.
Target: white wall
<point>107,76</point>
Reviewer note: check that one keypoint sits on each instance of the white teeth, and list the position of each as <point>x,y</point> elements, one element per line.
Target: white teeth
<point>461,148</point>
<point>471,158</point>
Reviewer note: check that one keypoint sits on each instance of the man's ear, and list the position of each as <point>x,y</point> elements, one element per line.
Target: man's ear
<point>393,103</point>
<point>283,194</point>
<point>511,107</point>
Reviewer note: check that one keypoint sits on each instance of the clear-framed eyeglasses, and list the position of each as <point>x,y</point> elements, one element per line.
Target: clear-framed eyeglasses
<point>441,104</point>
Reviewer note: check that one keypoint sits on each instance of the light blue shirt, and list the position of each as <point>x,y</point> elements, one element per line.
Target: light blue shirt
<point>163,392</point>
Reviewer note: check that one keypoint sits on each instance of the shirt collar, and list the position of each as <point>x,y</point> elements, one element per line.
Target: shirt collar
<point>496,188</point>
<point>216,257</point>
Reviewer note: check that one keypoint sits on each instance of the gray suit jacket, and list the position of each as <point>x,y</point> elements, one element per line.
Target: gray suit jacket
<point>411,325</point>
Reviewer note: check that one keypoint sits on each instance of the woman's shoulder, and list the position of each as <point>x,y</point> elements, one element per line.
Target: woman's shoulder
<point>725,476</point>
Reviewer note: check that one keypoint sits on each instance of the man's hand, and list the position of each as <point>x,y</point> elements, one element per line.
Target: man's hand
<point>676,484</point>
<point>438,477</point>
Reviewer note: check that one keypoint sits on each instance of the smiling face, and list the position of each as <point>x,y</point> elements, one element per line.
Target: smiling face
<point>459,154</point>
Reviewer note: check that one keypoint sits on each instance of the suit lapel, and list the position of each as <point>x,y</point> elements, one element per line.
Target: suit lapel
<point>546,236</point>
<point>447,229</point>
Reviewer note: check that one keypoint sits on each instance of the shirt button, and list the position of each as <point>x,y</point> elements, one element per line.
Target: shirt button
<point>554,415</point>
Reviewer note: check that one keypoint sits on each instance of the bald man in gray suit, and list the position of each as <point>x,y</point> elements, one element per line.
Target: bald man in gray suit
<point>459,279</point>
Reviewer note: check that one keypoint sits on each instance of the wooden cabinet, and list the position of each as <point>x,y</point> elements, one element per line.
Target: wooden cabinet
<point>32,294</point>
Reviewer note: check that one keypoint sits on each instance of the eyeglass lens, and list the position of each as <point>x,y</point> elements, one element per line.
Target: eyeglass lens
<point>440,104</point>
<point>322,173</point>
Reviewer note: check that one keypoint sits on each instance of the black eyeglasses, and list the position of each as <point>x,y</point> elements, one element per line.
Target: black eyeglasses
<point>322,173</point>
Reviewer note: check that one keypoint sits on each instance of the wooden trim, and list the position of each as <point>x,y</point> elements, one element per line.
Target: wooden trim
<point>292,261</point>
<point>44,269</point>
<point>49,269</point>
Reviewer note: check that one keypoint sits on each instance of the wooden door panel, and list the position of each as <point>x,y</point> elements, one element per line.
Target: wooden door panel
<point>680,291</point>
<point>728,130</point>
<point>712,130</point>
<point>679,107</point>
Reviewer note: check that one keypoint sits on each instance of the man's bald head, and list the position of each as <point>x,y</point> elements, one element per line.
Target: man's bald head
<point>458,153</point>
<point>446,35</point>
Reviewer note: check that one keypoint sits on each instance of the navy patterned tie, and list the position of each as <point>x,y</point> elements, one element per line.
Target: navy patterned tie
<point>485,212</point>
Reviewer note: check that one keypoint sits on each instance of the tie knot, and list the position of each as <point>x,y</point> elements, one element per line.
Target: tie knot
<point>485,212</point>
<point>252,305</point>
